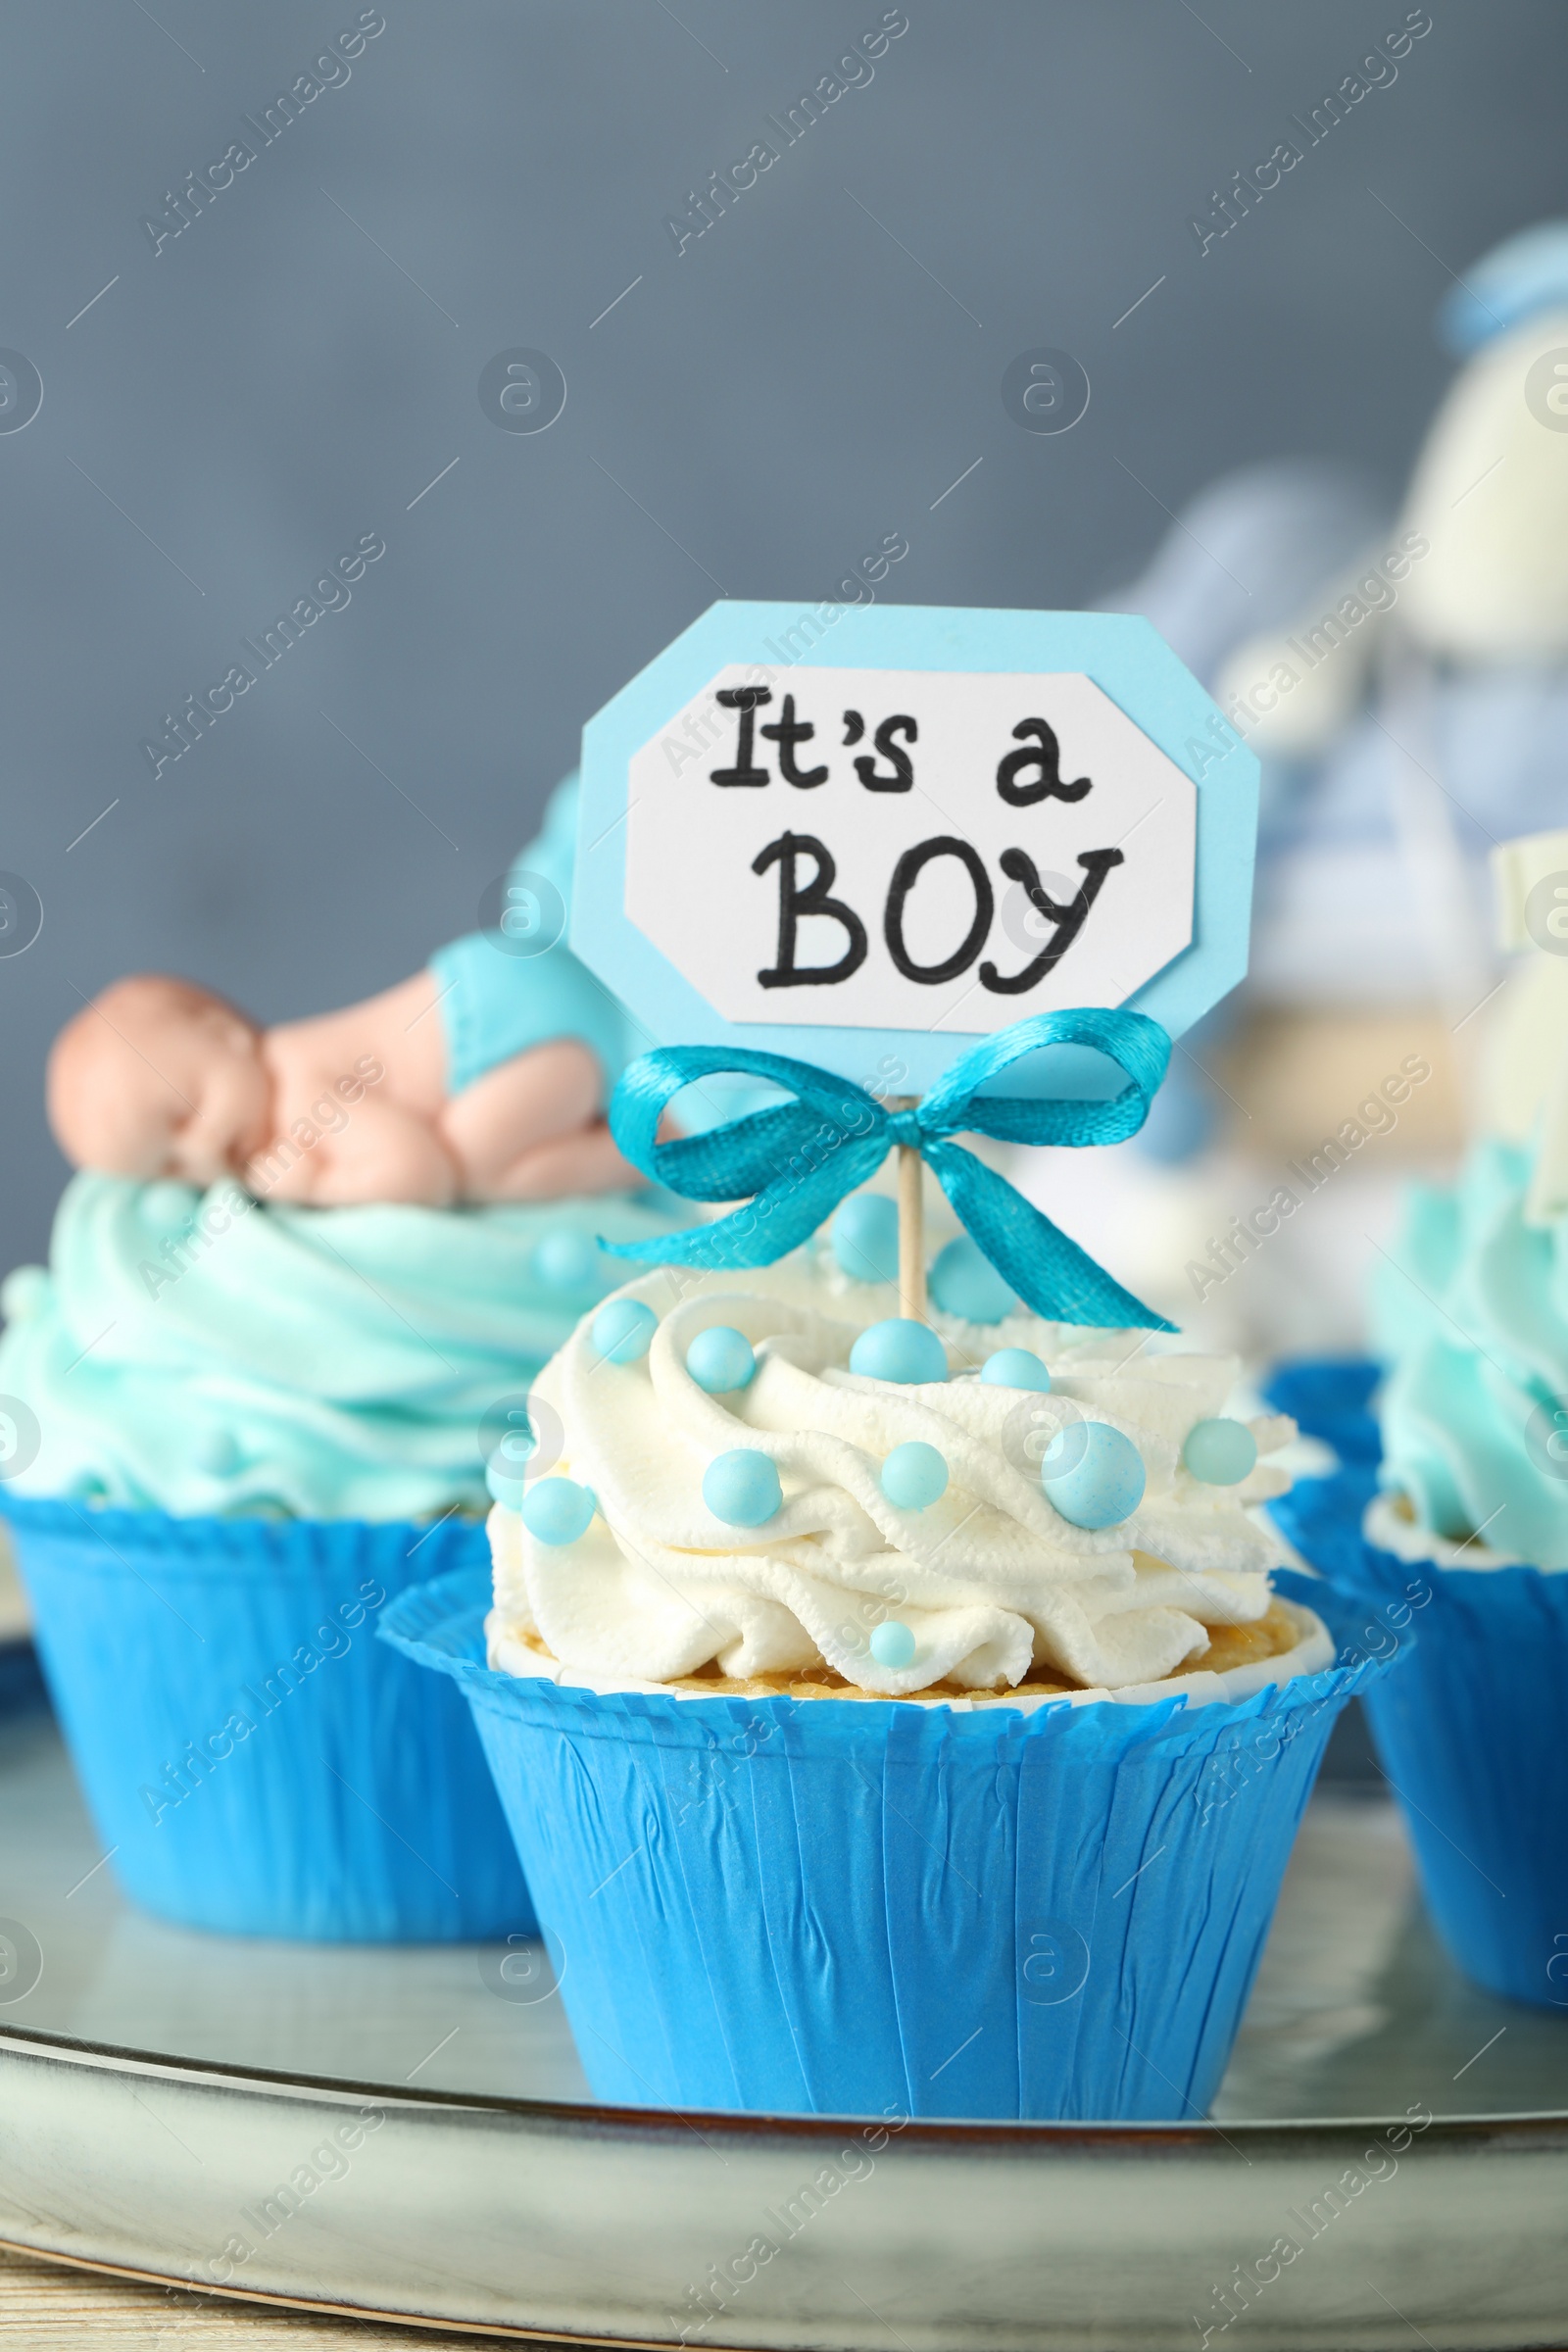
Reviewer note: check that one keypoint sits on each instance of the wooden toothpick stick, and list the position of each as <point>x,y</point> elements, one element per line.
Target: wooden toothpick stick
<point>911,1225</point>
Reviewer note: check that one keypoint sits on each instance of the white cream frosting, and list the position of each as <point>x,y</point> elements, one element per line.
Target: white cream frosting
<point>989,1578</point>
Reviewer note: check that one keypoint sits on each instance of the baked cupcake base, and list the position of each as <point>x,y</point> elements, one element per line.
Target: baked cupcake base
<point>879,1907</point>
<point>253,1759</point>
<point>1239,1660</point>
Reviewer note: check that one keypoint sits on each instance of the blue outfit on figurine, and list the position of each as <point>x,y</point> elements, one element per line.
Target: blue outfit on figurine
<point>497,1000</point>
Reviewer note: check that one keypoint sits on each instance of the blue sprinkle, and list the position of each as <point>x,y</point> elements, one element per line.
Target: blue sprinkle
<point>742,1487</point>
<point>217,1453</point>
<point>964,1282</point>
<point>915,1475</point>
<point>504,1483</point>
<point>507,1465</point>
<point>556,1510</point>
<point>25,1290</point>
<point>516,1448</point>
<point>169,1204</point>
<point>623,1330</point>
<point>865,1237</point>
<point>1093,1475</point>
<point>566,1261</point>
<point>892,1642</point>
<point>1220,1453</point>
<point>900,1350</point>
<point>1016,1368</point>
<point>720,1360</point>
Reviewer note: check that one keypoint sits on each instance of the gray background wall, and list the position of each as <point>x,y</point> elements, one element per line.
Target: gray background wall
<point>753,418</point>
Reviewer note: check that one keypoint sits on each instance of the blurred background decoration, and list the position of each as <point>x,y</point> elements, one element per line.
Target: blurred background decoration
<point>1404,677</point>
<point>1306,390</point>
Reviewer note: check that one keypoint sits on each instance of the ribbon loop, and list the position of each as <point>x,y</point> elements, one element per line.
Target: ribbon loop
<point>794,1163</point>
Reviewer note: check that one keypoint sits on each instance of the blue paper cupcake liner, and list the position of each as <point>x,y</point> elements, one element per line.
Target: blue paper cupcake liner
<point>255,1761</point>
<point>1470,1733</point>
<point>862,1907</point>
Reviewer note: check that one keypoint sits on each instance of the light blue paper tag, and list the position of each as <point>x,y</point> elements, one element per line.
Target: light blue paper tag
<point>866,835</point>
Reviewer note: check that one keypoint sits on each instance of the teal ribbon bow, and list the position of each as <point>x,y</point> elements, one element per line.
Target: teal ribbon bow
<point>794,1162</point>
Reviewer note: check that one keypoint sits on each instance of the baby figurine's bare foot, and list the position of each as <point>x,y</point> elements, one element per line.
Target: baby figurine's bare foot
<point>158,1077</point>
<point>533,1128</point>
<point>585,1163</point>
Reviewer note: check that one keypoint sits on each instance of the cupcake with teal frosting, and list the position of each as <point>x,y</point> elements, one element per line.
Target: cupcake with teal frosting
<point>241,1428</point>
<point>894,1715</point>
<point>1465,1540</point>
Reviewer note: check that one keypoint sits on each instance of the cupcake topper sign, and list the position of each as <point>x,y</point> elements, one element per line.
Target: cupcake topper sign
<point>871,839</point>
<point>866,835</point>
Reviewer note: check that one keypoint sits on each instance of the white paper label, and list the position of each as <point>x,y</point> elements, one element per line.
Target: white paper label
<point>909,848</point>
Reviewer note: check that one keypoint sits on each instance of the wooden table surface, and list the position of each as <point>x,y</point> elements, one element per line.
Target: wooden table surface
<point>53,2307</point>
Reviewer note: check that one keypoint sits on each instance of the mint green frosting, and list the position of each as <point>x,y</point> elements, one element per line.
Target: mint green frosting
<point>323,1362</point>
<point>1471,1318</point>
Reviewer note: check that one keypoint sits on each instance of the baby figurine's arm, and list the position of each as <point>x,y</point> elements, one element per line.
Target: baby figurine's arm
<point>350,1147</point>
<point>357,1096</point>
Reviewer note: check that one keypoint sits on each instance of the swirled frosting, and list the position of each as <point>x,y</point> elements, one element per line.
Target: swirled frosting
<point>996,1586</point>
<point>183,1353</point>
<point>1470,1314</point>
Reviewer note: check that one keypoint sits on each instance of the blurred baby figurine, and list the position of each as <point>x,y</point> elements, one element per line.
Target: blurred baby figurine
<point>160,1078</point>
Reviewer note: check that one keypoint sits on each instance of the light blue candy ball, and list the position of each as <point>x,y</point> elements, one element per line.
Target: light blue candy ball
<point>1220,1453</point>
<point>516,1448</point>
<point>900,1350</point>
<point>505,1481</point>
<point>964,1282</point>
<point>742,1487</point>
<point>1093,1475</point>
<point>720,1360</point>
<point>1016,1368</point>
<point>25,1290</point>
<point>913,1475</point>
<point>623,1330</point>
<point>556,1510</point>
<point>217,1453</point>
<point>865,1237</point>
<point>566,1261</point>
<point>169,1204</point>
<point>892,1644</point>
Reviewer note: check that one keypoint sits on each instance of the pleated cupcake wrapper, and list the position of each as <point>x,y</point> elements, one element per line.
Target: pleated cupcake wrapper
<point>253,1758</point>
<point>857,1907</point>
<point>1330,1397</point>
<point>1470,1733</point>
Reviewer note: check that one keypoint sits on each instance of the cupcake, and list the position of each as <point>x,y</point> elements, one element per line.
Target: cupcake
<point>240,1429</point>
<point>1466,1536</point>
<point>893,1716</point>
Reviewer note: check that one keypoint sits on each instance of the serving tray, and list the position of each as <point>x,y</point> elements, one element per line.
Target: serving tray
<point>408,2132</point>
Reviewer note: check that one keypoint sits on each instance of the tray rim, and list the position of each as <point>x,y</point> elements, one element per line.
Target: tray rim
<point>645,2123</point>
<point>535,2290</point>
